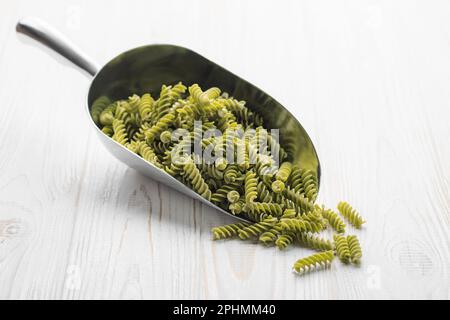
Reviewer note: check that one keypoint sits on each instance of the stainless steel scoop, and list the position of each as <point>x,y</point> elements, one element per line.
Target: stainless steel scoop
<point>145,69</point>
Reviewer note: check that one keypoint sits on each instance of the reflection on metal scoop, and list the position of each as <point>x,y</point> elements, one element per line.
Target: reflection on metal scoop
<point>145,69</point>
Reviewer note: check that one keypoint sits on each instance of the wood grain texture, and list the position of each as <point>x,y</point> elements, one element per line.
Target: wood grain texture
<point>369,80</point>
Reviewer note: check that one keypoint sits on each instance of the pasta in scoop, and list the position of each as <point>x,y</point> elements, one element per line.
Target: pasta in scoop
<point>218,147</point>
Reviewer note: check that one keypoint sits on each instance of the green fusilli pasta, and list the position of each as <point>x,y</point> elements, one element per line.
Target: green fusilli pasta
<point>198,96</point>
<point>299,225</point>
<point>278,186</point>
<point>98,106</point>
<point>162,124</point>
<point>316,261</point>
<point>256,229</point>
<point>192,173</point>
<point>355,249</point>
<point>146,106</point>
<point>221,194</point>
<point>284,171</point>
<point>269,237</point>
<point>228,231</point>
<point>333,219</point>
<point>237,169</point>
<point>120,134</point>
<point>285,240</point>
<point>106,117</point>
<point>342,249</point>
<point>233,196</point>
<point>259,208</point>
<point>314,242</point>
<point>251,183</point>
<point>350,214</point>
<point>237,207</point>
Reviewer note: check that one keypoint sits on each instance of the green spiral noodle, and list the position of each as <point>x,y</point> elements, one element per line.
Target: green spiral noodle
<point>259,208</point>
<point>162,124</point>
<point>192,173</point>
<point>289,213</point>
<point>251,187</point>
<point>304,182</point>
<point>198,96</point>
<point>233,196</point>
<point>270,236</point>
<point>321,260</point>
<point>106,117</point>
<point>213,93</point>
<point>265,169</point>
<point>140,133</point>
<point>228,231</point>
<point>220,196</point>
<point>237,207</point>
<point>334,220</point>
<point>146,152</point>
<point>210,170</point>
<point>226,120</point>
<point>120,133</point>
<point>232,174</point>
<point>302,203</point>
<point>242,113</point>
<point>221,163</point>
<point>309,184</point>
<point>315,216</point>
<point>216,145</point>
<point>275,149</point>
<point>251,150</point>
<point>98,106</point>
<point>300,225</point>
<point>264,194</point>
<point>295,179</point>
<point>355,249</point>
<point>285,240</point>
<point>168,96</point>
<point>166,137</point>
<point>161,148</point>
<point>350,214</point>
<point>175,165</point>
<point>133,146</point>
<point>146,106</point>
<point>122,113</point>
<point>108,130</point>
<point>188,112</point>
<point>284,171</point>
<point>256,229</point>
<point>342,248</point>
<point>225,145</point>
<point>314,242</point>
<point>278,186</point>
<point>133,104</point>
<point>243,159</point>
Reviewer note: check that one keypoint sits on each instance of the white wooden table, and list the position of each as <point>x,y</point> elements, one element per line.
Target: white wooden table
<point>369,80</point>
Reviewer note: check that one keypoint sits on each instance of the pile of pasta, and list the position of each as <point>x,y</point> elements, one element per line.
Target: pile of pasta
<point>278,199</point>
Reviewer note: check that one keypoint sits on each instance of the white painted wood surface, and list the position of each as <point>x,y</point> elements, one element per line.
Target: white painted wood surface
<point>369,80</point>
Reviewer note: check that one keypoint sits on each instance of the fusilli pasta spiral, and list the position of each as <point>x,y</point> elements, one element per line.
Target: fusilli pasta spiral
<point>355,249</point>
<point>316,261</point>
<point>350,214</point>
<point>342,249</point>
<point>228,231</point>
<point>237,168</point>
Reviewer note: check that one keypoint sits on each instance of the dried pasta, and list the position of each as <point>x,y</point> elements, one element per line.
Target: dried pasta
<point>242,174</point>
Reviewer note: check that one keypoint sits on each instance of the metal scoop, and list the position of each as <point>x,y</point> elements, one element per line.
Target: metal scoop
<point>145,69</point>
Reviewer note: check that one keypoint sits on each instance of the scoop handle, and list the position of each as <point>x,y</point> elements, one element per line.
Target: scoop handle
<point>50,37</point>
